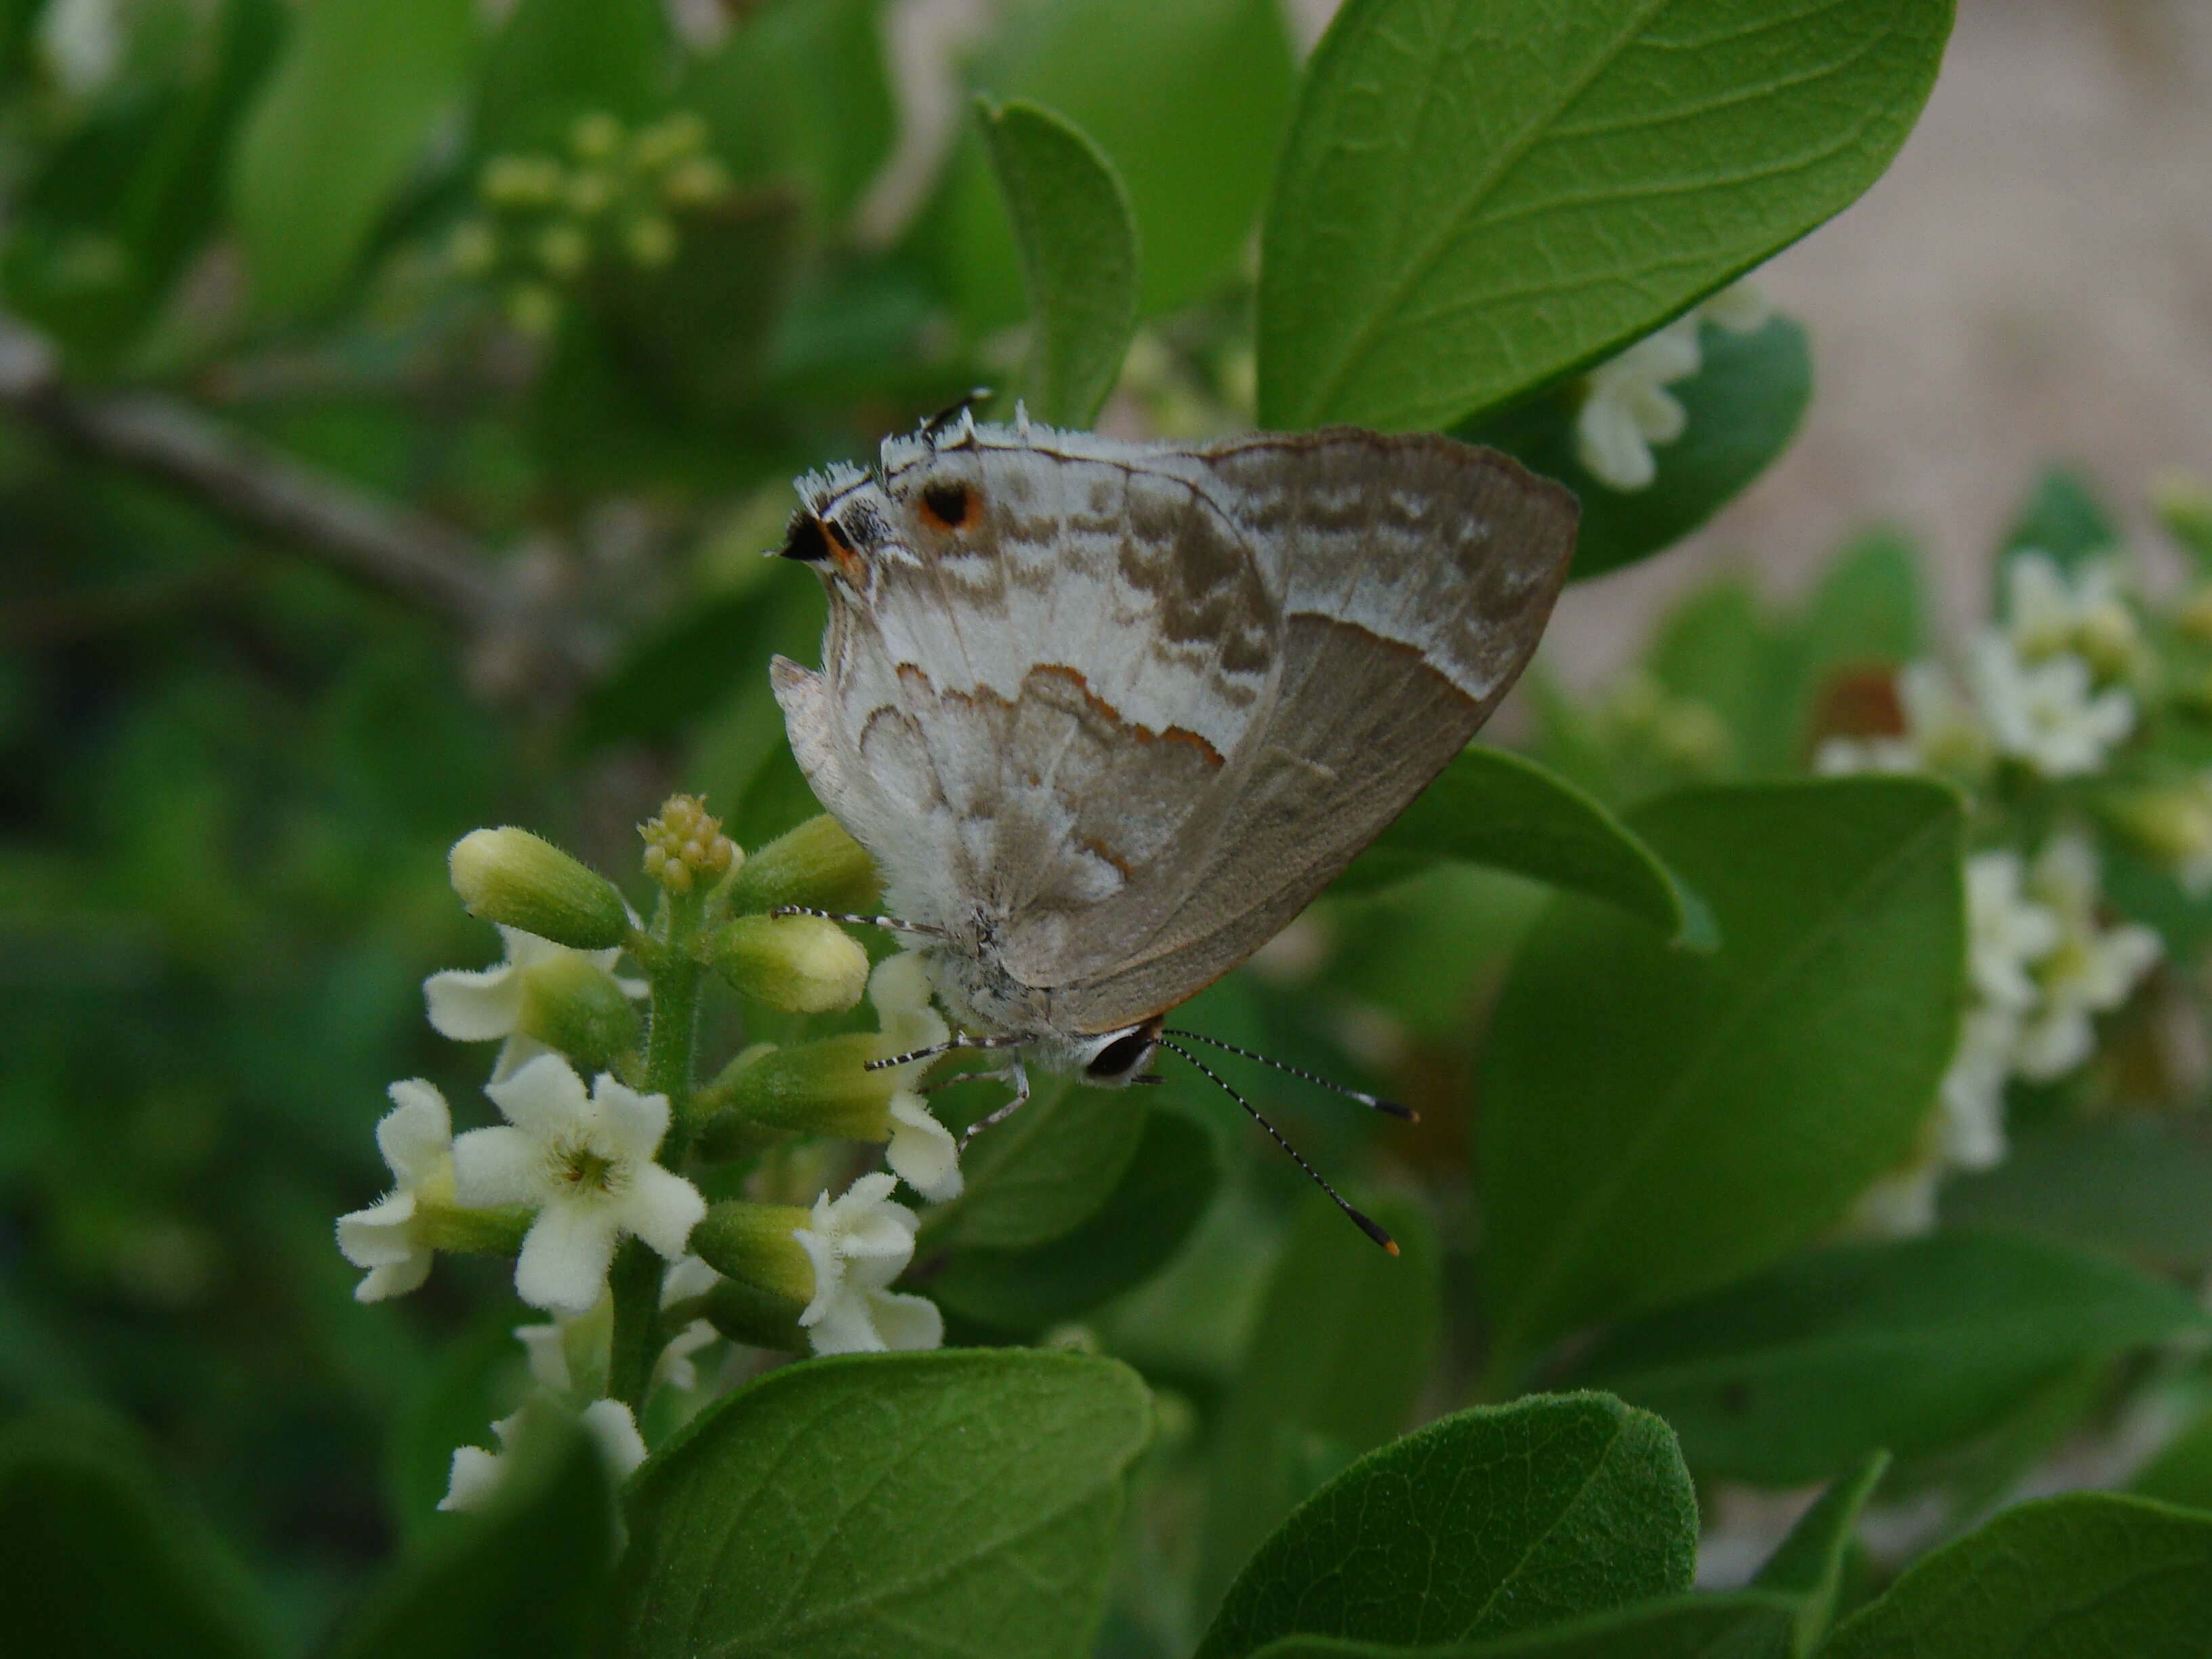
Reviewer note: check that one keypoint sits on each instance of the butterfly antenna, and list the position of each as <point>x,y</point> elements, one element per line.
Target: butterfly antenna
<point>956,1041</point>
<point>1391,1107</point>
<point>1365,1223</point>
<point>942,421</point>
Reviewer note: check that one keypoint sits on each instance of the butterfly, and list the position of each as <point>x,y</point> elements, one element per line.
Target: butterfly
<point>1107,715</point>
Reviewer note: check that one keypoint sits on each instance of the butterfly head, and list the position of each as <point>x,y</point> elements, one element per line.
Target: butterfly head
<point>1115,1060</point>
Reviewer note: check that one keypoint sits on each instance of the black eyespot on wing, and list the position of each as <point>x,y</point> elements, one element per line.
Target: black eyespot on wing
<point>803,540</point>
<point>1123,1055</point>
<point>948,504</point>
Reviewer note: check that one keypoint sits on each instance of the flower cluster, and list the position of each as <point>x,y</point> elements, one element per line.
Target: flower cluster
<point>547,218</point>
<point>1626,406</point>
<point>577,1178</point>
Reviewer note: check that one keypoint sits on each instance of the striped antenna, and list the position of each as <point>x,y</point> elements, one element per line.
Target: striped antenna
<point>1391,1107</point>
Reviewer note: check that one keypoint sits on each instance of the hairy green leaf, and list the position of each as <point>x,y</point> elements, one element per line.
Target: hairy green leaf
<point>1078,247</point>
<point>846,1509</point>
<point>354,95</point>
<point>1743,407</point>
<point>1656,1122</point>
<point>1487,1521</point>
<point>1911,1346</point>
<point>1345,1340</point>
<point>1044,1170</point>
<point>1809,1562</point>
<point>1491,806</point>
<point>2089,1574</point>
<point>1753,1625</point>
<point>1476,198</point>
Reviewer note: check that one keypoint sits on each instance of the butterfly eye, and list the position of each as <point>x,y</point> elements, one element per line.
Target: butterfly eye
<point>1123,1055</point>
<point>803,540</point>
<point>947,505</point>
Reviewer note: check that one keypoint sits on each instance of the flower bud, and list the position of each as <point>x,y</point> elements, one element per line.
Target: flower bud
<point>822,1088</point>
<point>571,1004</point>
<point>684,844</point>
<point>675,135</point>
<point>562,248</point>
<point>508,875</point>
<point>818,865</point>
<point>650,241</point>
<point>801,964</point>
<point>767,1278</point>
<point>521,181</point>
<point>533,308</point>
<point>695,182</point>
<point>473,248</point>
<point>590,193</point>
<point>595,137</point>
<point>2172,826</point>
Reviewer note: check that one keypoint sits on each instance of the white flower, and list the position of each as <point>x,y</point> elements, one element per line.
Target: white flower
<point>1899,1204</point>
<point>476,1473</point>
<point>922,1152</point>
<point>2046,614</point>
<point>858,1244</point>
<point>1626,410</point>
<point>486,1005</point>
<point>2048,713</point>
<point>2007,932</point>
<point>1969,1120</point>
<point>2093,970</point>
<point>1943,732</point>
<point>1741,308</point>
<point>416,1138</point>
<point>587,1162</point>
<point>684,1279</point>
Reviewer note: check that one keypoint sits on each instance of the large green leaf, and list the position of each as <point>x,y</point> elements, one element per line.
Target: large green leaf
<point>531,1577</point>
<point>2181,1472</point>
<point>2074,1578</point>
<point>93,1563</point>
<point>1078,247</point>
<point>1915,1345</point>
<point>965,1502</point>
<point>1476,198</point>
<point>1344,1342</point>
<point>1655,1123</point>
<point>1187,97</point>
<point>1493,807</point>
<point>1487,1521</point>
<point>355,96</point>
<point>1809,1562</point>
<point>1044,1170</point>
<point>2137,1186</point>
<point>1743,405</point>
<point>1161,1196</point>
<point>1752,1624</point>
<point>554,60</point>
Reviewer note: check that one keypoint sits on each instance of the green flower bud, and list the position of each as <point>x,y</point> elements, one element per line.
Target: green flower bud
<point>473,249</point>
<point>650,241</point>
<point>818,865</point>
<point>521,182</point>
<point>562,248</point>
<point>767,1279</point>
<point>533,308</point>
<point>2172,826</point>
<point>590,193</point>
<point>801,964</point>
<point>495,1232</point>
<point>571,1004</point>
<point>595,137</point>
<point>511,875</point>
<point>670,139</point>
<point>699,182</point>
<point>822,1088</point>
<point>684,844</point>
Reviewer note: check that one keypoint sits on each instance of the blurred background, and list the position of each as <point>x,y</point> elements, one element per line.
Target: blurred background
<point>447,514</point>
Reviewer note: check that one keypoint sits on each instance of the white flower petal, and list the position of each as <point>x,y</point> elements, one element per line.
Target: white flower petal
<point>474,1006</point>
<point>565,1257</point>
<point>828,1272</point>
<point>1610,446</point>
<point>473,1481</point>
<point>610,1424</point>
<point>848,1326</point>
<point>1659,415</point>
<point>674,1367</point>
<point>547,1350</point>
<point>544,1098</point>
<point>517,1052</point>
<point>1741,308</point>
<point>661,1208</point>
<point>904,1322</point>
<point>922,1152</point>
<point>393,1279</point>
<point>685,1279</point>
<point>499,1166</point>
<point>635,1122</point>
<point>416,1136</point>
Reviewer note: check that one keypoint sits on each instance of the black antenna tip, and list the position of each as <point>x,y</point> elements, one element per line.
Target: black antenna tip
<point>1373,1229</point>
<point>1402,1113</point>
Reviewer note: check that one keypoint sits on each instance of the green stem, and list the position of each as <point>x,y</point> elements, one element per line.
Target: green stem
<point>636,1281</point>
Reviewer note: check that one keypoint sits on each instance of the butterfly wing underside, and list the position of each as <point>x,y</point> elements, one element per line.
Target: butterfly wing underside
<point>1152,701</point>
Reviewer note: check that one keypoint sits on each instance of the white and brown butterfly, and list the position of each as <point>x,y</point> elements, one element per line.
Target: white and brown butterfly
<point>1108,715</point>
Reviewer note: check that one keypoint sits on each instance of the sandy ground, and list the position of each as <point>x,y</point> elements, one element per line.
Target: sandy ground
<point>2031,281</point>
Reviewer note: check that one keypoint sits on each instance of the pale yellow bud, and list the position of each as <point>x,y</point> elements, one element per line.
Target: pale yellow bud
<point>521,181</point>
<point>668,140</point>
<point>473,248</point>
<point>533,308</point>
<point>595,137</point>
<point>699,181</point>
<point>818,865</point>
<point>511,875</point>
<point>801,964</point>
<point>650,241</point>
<point>562,248</point>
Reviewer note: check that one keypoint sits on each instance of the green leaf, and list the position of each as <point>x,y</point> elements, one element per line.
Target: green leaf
<point>1187,100</point>
<point>1809,1562</point>
<point>847,1509</point>
<point>2181,1473</point>
<point>1477,199</point>
<point>1344,1343</point>
<point>2132,1185</point>
<point>530,1576</point>
<point>1078,247</point>
<point>1500,1519</point>
<point>1752,1624</point>
<point>1655,1123</point>
<point>554,60</point>
<point>354,99</point>
<point>1914,1346</point>
<point>1491,806</point>
<point>93,1563</point>
<point>1161,1196</point>
<point>2089,1574</point>
<point>2064,519</point>
<point>1045,1170</point>
<point>1867,611</point>
<point>1743,405</point>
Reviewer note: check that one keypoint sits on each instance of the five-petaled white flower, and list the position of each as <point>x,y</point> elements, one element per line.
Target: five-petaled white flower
<point>416,1138</point>
<point>587,1162</point>
<point>858,1244</point>
<point>476,1473</point>
<point>487,1004</point>
<point>2048,611</point>
<point>1943,732</point>
<point>2008,933</point>
<point>2048,714</point>
<point>922,1152</point>
<point>2092,970</point>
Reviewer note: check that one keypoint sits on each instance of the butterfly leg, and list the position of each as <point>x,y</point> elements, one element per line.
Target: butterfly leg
<point>1018,1075</point>
<point>889,924</point>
